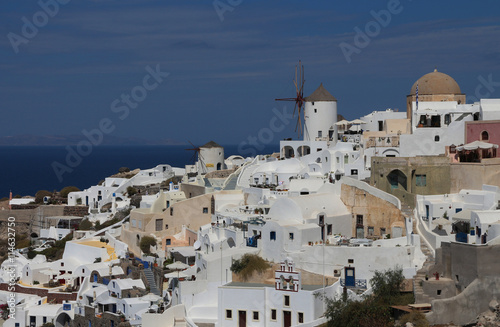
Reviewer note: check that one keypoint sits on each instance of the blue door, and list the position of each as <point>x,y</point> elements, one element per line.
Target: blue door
<point>350,278</point>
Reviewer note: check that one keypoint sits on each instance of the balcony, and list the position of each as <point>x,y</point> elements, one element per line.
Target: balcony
<point>359,283</point>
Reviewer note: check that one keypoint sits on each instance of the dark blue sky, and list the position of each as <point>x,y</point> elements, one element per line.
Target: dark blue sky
<point>225,74</point>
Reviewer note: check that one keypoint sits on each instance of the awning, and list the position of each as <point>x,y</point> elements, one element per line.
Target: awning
<point>477,145</point>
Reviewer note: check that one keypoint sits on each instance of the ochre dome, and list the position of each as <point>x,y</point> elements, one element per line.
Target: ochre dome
<point>436,83</point>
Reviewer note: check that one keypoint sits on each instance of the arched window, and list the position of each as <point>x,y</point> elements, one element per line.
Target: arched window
<point>485,136</point>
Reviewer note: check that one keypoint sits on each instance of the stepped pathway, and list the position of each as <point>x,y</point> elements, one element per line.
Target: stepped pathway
<point>151,281</point>
<point>420,297</point>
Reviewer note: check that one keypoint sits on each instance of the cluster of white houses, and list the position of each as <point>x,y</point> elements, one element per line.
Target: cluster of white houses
<point>328,211</point>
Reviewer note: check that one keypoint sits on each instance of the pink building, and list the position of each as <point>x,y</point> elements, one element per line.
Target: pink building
<point>485,131</point>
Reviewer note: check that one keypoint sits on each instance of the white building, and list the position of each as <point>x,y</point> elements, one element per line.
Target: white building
<point>284,302</point>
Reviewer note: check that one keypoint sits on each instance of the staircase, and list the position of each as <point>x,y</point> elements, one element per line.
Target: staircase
<point>244,177</point>
<point>232,180</point>
<point>420,297</point>
<point>151,282</point>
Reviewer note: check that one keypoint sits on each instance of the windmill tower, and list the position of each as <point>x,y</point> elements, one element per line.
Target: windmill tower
<point>210,157</point>
<point>320,116</point>
<point>197,159</point>
<point>213,156</point>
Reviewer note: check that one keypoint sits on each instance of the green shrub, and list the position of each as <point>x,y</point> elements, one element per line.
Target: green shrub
<point>249,263</point>
<point>85,225</point>
<point>131,191</point>
<point>68,189</point>
<point>146,243</point>
<point>416,318</point>
<point>41,194</point>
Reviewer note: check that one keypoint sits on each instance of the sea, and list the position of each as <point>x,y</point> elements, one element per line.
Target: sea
<point>24,170</point>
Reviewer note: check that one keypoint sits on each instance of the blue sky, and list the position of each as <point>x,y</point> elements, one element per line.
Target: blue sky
<point>225,74</point>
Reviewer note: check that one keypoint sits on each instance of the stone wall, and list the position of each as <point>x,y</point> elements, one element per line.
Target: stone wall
<point>464,308</point>
<point>52,297</point>
<point>77,211</point>
<point>377,213</point>
<point>89,315</point>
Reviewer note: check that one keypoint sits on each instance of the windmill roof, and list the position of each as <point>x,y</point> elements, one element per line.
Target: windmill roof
<point>211,144</point>
<point>321,94</point>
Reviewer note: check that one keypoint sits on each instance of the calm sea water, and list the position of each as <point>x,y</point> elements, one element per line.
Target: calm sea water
<point>25,170</point>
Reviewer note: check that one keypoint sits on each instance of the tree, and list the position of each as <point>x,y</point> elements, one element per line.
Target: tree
<point>374,310</point>
<point>131,190</point>
<point>85,225</point>
<point>146,243</point>
<point>41,194</point>
<point>68,189</point>
<point>386,285</point>
<point>248,264</point>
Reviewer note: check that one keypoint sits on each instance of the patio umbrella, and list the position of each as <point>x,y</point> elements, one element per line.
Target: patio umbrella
<point>150,297</point>
<point>358,121</point>
<point>177,274</point>
<point>178,265</point>
<point>343,122</point>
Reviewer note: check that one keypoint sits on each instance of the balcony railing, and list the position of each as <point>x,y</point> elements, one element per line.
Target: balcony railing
<point>359,283</point>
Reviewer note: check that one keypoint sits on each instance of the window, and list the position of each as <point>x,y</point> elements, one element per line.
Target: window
<point>229,314</point>
<point>134,223</point>
<point>484,136</point>
<point>350,261</point>
<point>44,320</point>
<point>205,209</point>
<point>139,223</point>
<point>256,180</point>
<point>166,226</point>
<point>321,220</point>
<point>291,236</point>
<point>159,223</point>
<point>272,236</point>
<point>315,110</point>
<point>255,316</point>
<point>371,230</point>
<point>382,231</point>
<point>62,264</point>
<point>359,220</point>
<point>421,180</point>
<point>436,138</point>
<point>346,159</point>
<point>300,317</point>
<point>447,119</point>
<point>320,133</point>
<point>171,211</point>
<point>329,229</point>
<point>380,125</point>
<point>273,314</point>
<point>338,160</point>
<point>168,241</point>
<point>287,301</point>
<point>354,171</point>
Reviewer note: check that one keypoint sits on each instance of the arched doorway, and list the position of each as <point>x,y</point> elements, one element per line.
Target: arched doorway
<point>63,320</point>
<point>288,152</point>
<point>396,179</point>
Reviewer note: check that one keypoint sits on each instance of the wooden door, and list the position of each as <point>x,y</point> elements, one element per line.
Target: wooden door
<point>287,318</point>
<point>242,318</point>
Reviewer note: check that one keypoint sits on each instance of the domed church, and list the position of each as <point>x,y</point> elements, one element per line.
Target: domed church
<point>434,86</point>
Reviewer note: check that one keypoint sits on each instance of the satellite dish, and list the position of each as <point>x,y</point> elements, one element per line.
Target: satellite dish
<point>197,245</point>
